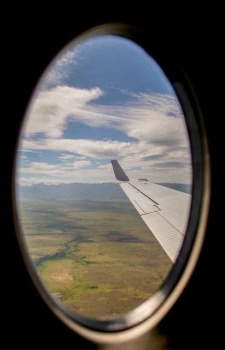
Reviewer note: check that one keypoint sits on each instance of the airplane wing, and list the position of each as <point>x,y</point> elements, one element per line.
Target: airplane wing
<point>164,210</point>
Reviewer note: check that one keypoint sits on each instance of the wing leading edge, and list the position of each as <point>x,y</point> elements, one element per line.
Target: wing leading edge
<point>164,210</point>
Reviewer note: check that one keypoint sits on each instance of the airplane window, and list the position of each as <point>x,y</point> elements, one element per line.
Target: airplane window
<point>103,178</point>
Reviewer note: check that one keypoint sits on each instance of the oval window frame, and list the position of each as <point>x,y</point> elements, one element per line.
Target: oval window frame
<point>148,314</point>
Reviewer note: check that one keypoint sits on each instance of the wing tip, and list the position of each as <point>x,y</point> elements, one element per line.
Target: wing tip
<point>118,171</point>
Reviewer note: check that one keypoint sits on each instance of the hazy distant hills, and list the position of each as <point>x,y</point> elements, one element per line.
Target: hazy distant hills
<point>101,191</point>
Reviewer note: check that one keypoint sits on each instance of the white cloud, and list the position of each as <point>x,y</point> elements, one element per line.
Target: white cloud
<point>103,173</point>
<point>105,166</point>
<point>62,173</point>
<point>161,150</point>
<point>81,163</point>
<point>51,110</point>
<point>150,118</point>
<point>106,149</point>
<point>79,157</point>
<point>42,166</point>
<point>66,156</point>
<point>60,68</point>
<point>54,169</point>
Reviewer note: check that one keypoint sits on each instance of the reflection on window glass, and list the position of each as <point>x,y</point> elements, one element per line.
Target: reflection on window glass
<point>104,235</point>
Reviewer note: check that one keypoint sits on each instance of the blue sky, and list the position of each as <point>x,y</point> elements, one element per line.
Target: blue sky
<point>100,100</point>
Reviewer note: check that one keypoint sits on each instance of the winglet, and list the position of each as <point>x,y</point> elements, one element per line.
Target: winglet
<point>118,171</point>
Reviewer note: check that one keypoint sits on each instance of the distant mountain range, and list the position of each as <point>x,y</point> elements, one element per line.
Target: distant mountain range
<point>100,191</point>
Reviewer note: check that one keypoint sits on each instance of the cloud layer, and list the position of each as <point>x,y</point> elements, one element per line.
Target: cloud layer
<point>159,152</point>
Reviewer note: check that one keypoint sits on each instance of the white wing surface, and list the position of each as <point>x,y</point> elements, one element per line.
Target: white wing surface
<point>164,210</point>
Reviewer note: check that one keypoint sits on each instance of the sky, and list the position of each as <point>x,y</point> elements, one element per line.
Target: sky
<point>104,98</point>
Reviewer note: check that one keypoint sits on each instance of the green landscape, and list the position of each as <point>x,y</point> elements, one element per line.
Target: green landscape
<point>97,258</point>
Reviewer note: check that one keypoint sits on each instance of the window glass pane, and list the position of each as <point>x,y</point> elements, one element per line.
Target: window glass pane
<point>103,238</point>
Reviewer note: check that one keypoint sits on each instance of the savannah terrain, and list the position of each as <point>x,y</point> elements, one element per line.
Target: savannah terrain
<point>97,258</point>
